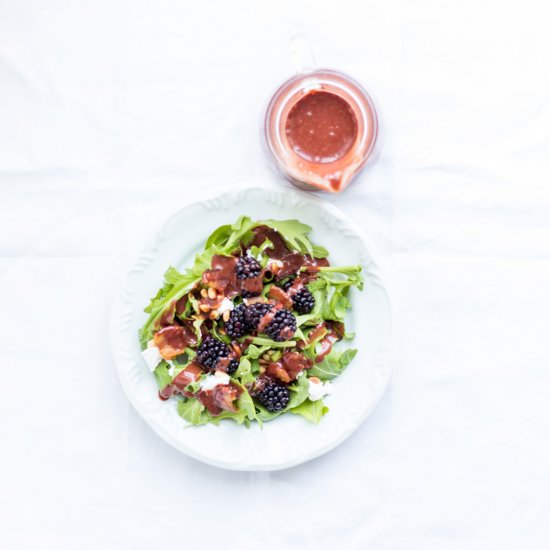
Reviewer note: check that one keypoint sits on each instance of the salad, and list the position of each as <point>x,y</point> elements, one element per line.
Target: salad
<point>249,331</point>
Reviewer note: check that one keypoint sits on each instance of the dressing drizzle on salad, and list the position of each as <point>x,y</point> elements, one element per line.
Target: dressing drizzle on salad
<point>240,332</point>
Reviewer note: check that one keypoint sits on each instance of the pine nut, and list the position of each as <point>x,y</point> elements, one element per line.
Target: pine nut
<point>237,349</point>
<point>211,293</point>
<point>204,293</point>
<point>226,315</point>
<point>204,307</point>
<point>214,315</point>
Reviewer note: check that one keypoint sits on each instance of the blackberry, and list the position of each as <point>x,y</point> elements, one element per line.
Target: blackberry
<point>232,367</point>
<point>274,397</point>
<point>287,285</point>
<point>255,312</point>
<point>247,267</point>
<point>282,327</point>
<point>303,301</point>
<point>237,325</point>
<point>211,351</point>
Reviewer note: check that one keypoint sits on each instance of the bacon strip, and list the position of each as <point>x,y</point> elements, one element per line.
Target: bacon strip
<point>220,398</point>
<point>191,373</point>
<point>287,369</point>
<point>279,295</point>
<point>172,341</point>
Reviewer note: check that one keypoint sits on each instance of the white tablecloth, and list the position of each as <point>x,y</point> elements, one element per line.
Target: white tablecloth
<point>113,113</point>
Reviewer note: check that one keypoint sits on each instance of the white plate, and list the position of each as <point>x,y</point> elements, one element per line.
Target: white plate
<point>288,440</point>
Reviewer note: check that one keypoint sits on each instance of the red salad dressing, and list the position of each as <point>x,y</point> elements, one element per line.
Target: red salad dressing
<point>335,333</point>
<point>222,276</point>
<point>321,127</point>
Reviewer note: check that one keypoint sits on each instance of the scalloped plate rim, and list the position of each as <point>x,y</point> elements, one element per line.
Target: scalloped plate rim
<point>150,247</point>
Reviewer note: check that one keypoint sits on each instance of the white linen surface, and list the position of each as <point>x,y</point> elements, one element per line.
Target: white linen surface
<point>113,113</point>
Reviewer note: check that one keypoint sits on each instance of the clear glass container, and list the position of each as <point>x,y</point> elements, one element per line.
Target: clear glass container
<point>332,175</point>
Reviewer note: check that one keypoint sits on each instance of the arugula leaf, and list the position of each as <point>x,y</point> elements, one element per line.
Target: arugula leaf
<point>263,415</point>
<point>298,392</point>
<point>240,417</point>
<point>244,372</point>
<point>162,376</point>
<point>304,320</point>
<point>172,277</point>
<point>179,363</point>
<point>255,369</point>
<point>339,276</point>
<point>309,350</point>
<point>246,405</point>
<point>333,365</point>
<point>318,284</point>
<point>194,303</point>
<point>331,299</point>
<point>299,334</point>
<point>203,261</point>
<point>265,290</point>
<point>335,310</point>
<point>192,411</point>
<point>190,352</point>
<point>330,291</point>
<point>188,310</point>
<point>254,352</point>
<point>241,230</point>
<point>219,237</point>
<point>175,286</point>
<point>319,251</point>
<point>311,410</point>
<point>197,327</point>
<point>345,269</point>
<point>193,387</point>
<point>181,360</point>
<point>271,343</point>
<point>220,336</point>
<point>257,252</point>
<point>294,233</point>
<point>227,237</point>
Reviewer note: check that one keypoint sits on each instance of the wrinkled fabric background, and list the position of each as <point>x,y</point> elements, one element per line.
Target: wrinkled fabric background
<point>113,113</point>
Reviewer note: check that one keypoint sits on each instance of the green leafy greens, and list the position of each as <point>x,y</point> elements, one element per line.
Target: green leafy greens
<point>330,288</point>
<point>311,410</point>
